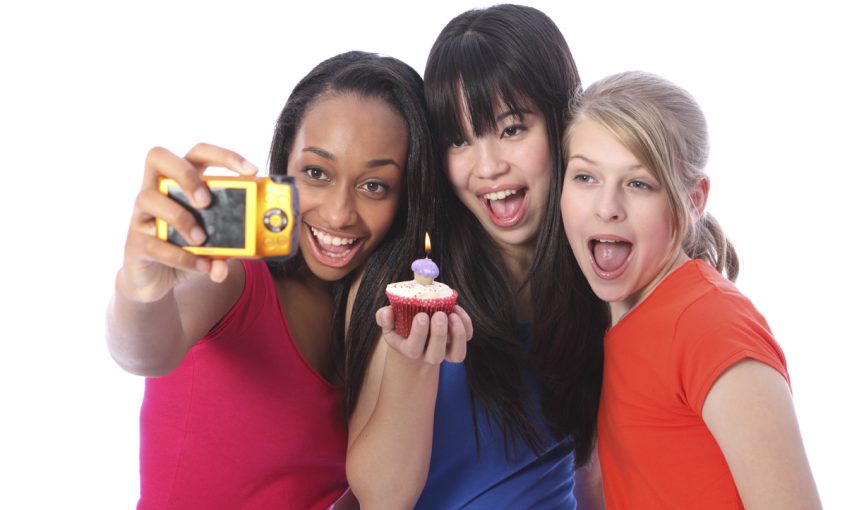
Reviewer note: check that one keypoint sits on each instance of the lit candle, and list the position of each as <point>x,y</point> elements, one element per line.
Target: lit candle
<point>425,270</point>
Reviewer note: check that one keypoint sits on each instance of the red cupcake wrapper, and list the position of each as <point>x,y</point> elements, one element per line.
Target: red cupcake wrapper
<point>405,309</point>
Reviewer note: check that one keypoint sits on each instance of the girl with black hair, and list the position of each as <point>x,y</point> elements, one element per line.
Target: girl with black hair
<point>505,428</point>
<point>243,400</point>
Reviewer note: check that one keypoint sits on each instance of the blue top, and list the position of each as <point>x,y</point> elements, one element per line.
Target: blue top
<point>461,477</point>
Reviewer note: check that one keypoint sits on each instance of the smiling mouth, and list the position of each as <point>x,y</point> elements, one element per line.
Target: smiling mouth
<point>332,250</point>
<point>505,207</point>
<point>334,246</point>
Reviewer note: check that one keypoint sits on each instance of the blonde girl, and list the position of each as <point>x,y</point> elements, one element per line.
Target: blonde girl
<point>695,408</point>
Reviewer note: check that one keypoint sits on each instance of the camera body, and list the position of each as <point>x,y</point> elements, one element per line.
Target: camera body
<point>248,218</point>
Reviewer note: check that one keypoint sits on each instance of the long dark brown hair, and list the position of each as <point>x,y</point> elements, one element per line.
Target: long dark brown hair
<point>513,55</point>
<point>370,76</point>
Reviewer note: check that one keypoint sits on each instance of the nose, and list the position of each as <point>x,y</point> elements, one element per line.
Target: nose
<point>338,210</point>
<point>490,163</point>
<point>609,207</point>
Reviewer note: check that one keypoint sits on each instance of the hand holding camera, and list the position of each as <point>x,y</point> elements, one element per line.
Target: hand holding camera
<point>153,266</point>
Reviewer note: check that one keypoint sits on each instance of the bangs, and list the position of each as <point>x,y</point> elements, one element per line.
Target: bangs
<point>468,71</point>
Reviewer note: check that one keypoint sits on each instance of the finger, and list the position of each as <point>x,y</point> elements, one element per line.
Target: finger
<point>164,163</point>
<point>145,248</point>
<point>385,319</point>
<point>438,335</point>
<point>457,346</point>
<point>152,204</point>
<point>414,345</point>
<point>219,271</point>
<point>204,155</point>
<point>466,321</point>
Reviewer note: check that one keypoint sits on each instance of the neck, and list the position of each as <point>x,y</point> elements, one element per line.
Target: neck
<point>307,279</point>
<point>620,309</point>
<point>518,260</point>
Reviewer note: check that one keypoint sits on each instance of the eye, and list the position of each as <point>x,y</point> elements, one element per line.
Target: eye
<point>375,188</point>
<point>315,173</point>
<point>513,130</point>
<point>457,142</point>
<point>583,178</point>
<point>642,185</point>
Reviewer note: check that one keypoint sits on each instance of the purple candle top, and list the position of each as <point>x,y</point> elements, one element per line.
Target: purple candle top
<point>425,267</point>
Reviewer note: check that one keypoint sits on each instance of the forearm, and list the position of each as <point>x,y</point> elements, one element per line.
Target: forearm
<point>588,485</point>
<point>144,338</point>
<point>388,462</point>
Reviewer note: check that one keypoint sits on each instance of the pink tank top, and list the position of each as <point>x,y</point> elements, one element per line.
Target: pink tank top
<point>244,422</point>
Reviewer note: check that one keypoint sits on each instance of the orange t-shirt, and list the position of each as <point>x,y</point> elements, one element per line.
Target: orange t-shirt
<point>661,360</point>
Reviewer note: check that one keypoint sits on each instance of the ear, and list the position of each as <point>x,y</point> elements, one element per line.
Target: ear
<point>698,198</point>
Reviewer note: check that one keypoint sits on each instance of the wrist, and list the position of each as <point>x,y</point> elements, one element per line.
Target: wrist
<point>128,291</point>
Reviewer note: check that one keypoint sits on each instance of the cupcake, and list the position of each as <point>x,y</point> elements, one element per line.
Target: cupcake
<point>423,294</point>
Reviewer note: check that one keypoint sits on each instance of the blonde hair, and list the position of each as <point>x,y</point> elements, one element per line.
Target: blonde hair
<point>665,129</point>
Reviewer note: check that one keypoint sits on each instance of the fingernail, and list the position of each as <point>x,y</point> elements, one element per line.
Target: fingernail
<point>197,235</point>
<point>218,273</point>
<point>249,167</point>
<point>422,320</point>
<point>202,197</point>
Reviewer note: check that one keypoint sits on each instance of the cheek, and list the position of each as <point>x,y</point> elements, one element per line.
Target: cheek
<point>308,198</point>
<point>660,228</point>
<point>537,157</point>
<point>569,205</point>
<point>458,172</point>
<point>379,216</point>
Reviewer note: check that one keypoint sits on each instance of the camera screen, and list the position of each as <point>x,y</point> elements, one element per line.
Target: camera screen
<point>223,220</point>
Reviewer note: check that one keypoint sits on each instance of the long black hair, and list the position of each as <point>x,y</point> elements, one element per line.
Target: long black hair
<point>368,75</point>
<point>513,55</point>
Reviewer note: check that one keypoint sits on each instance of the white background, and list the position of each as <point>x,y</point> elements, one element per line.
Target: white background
<point>86,88</point>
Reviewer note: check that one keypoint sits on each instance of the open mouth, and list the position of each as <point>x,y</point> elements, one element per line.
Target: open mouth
<point>505,207</point>
<point>609,256</point>
<point>330,249</point>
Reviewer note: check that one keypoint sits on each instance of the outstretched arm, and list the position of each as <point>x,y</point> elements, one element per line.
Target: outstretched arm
<point>391,428</point>
<point>161,304</point>
<point>750,413</point>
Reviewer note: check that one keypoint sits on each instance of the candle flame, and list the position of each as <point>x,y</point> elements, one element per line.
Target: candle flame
<point>427,244</point>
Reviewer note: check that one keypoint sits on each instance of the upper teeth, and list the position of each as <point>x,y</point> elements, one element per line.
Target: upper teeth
<point>325,238</point>
<point>500,195</point>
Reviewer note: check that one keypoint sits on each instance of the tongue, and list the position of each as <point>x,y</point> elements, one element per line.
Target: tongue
<point>507,207</point>
<point>611,256</point>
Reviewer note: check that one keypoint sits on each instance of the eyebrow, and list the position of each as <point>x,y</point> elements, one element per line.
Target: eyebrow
<point>592,162</point>
<point>580,156</point>
<point>513,113</point>
<point>374,163</point>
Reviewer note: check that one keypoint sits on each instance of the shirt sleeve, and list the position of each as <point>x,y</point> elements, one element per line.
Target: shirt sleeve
<point>717,331</point>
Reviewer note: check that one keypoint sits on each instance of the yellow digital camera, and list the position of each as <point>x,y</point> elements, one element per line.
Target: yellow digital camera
<point>248,217</point>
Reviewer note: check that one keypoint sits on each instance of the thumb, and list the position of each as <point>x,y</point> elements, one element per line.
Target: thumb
<point>385,319</point>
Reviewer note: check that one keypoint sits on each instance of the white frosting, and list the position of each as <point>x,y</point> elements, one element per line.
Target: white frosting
<point>413,289</point>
